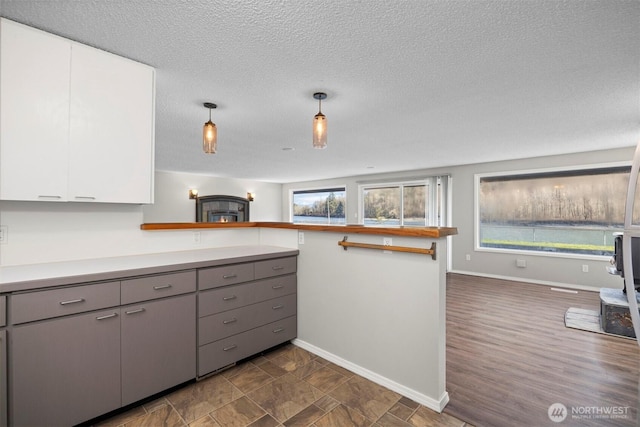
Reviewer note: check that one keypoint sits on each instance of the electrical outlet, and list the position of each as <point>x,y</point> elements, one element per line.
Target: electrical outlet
<point>4,234</point>
<point>585,268</point>
<point>467,257</point>
<point>521,263</point>
<point>387,241</point>
<point>300,238</point>
<point>196,237</point>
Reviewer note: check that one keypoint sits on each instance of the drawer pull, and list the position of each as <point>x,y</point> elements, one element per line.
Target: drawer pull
<point>108,316</point>
<point>277,287</point>
<point>275,331</point>
<point>226,322</point>
<point>139,310</point>
<point>229,298</point>
<point>231,347</point>
<point>277,267</point>
<point>157,288</point>
<point>229,276</point>
<point>72,301</point>
<point>277,307</point>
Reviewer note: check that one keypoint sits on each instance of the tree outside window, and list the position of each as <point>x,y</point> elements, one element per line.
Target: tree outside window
<point>559,211</point>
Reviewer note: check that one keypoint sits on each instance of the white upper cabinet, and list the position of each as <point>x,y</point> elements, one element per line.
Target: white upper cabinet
<point>76,123</point>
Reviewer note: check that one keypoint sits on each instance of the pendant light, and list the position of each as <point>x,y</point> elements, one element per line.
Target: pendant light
<point>210,132</point>
<point>319,123</point>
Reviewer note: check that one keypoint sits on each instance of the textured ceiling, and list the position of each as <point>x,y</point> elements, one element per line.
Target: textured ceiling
<point>410,84</point>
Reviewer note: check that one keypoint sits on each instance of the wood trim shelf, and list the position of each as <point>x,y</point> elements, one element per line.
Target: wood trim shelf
<point>432,232</point>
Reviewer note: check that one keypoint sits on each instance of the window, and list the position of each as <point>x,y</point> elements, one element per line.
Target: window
<point>558,211</point>
<point>322,206</point>
<point>418,203</point>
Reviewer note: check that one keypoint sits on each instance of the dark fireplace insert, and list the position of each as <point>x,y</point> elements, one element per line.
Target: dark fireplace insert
<point>219,208</point>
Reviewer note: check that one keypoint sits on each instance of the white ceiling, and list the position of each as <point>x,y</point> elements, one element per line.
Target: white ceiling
<point>411,84</point>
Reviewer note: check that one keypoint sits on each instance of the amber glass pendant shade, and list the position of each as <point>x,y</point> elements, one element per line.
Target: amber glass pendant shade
<point>319,123</point>
<point>209,133</point>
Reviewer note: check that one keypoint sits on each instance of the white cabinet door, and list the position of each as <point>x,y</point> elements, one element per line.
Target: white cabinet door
<point>111,136</point>
<point>34,113</point>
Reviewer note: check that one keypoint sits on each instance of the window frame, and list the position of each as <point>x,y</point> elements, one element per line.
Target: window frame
<point>540,171</point>
<point>438,199</point>
<point>322,189</point>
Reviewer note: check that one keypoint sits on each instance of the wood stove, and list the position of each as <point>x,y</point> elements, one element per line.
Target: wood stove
<point>220,208</point>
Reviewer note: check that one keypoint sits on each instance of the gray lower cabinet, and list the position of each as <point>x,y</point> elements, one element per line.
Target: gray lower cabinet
<point>80,351</point>
<point>244,309</point>
<point>76,353</point>
<point>65,370</point>
<point>158,346</point>
<point>3,362</point>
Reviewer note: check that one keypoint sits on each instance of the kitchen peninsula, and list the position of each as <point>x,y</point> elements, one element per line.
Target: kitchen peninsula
<point>376,312</point>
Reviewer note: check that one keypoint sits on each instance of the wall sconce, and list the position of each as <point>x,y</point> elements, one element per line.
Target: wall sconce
<point>319,123</point>
<point>210,132</point>
<point>193,193</point>
<point>251,196</point>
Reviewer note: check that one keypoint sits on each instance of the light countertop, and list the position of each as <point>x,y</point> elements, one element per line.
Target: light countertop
<point>32,276</point>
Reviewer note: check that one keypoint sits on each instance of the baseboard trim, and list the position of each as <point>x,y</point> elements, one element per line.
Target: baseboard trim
<point>431,403</point>
<point>525,280</point>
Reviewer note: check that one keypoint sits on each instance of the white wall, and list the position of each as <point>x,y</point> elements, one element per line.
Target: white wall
<point>172,203</point>
<point>545,269</point>
<point>41,232</point>
<point>381,315</point>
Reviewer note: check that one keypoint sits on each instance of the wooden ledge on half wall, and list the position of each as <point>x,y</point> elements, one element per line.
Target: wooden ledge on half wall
<point>433,232</point>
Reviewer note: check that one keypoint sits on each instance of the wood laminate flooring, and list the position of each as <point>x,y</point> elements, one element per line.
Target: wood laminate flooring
<point>509,357</point>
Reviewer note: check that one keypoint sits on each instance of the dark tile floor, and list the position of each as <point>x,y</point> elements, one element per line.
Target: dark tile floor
<point>287,387</point>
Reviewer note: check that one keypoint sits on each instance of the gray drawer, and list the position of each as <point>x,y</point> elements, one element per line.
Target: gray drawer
<point>32,306</point>
<point>275,287</point>
<point>275,267</point>
<point>224,352</point>
<point>152,287</point>
<point>222,325</point>
<point>3,310</point>
<point>231,297</point>
<point>226,275</point>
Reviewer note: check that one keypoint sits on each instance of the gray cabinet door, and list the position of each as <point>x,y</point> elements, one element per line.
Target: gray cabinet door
<point>158,346</point>
<point>65,371</point>
<point>3,378</point>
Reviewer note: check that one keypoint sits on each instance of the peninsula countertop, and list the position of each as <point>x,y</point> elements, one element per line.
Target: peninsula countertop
<point>430,232</point>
